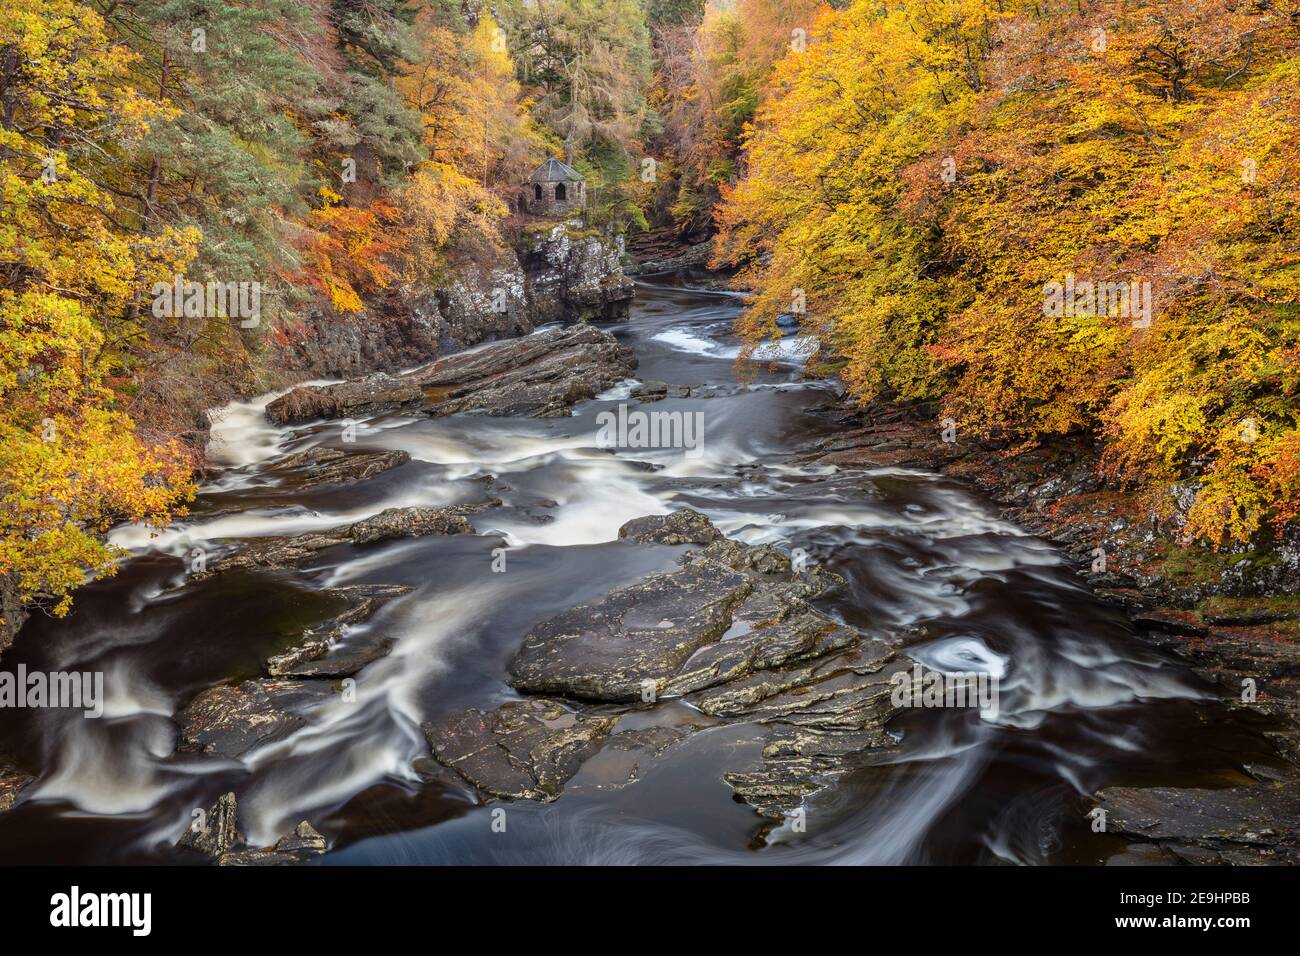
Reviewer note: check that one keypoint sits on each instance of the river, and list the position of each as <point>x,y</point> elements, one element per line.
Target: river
<point>929,565</point>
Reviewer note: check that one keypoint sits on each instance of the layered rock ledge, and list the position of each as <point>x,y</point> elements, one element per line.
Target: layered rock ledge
<point>229,720</point>
<point>538,375</point>
<point>1243,826</point>
<point>390,524</point>
<point>731,632</point>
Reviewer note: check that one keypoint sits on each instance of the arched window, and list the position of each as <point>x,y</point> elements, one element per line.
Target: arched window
<point>537,192</point>
<point>560,193</point>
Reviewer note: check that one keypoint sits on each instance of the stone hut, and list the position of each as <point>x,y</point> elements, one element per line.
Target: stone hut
<point>554,189</point>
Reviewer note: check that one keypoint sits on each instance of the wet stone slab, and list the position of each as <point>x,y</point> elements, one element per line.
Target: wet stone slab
<point>1249,825</point>
<point>229,720</point>
<point>539,375</point>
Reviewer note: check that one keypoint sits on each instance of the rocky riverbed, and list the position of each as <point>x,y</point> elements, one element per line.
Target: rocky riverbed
<point>435,617</point>
<point>1231,617</point>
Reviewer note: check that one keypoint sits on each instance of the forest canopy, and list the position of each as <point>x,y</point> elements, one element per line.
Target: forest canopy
<point>1052,218</point>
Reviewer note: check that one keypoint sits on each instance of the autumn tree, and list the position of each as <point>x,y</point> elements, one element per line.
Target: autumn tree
<point>70,267</point>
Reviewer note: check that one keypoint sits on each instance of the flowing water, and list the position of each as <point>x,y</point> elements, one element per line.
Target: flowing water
<point>929,565</point>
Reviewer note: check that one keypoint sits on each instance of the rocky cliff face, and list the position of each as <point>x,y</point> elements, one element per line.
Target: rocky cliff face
<point>574,273</point>
<point>410,325</point>
<point>556,273</point>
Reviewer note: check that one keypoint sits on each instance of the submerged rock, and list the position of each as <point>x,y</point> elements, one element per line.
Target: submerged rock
<point>230,719</point>
<point>413,522</point>
<point>524,749</point>
<point>309,658</point>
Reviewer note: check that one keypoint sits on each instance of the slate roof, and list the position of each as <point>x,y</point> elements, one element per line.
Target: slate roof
<point>554,171</point>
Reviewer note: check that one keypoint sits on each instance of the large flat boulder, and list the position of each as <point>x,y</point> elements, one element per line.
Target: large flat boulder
<point>637,636</point>
<point>538,375</point>
<point>523,749</point>
<point>363,396</point>
<point>321,466</point>
<point>685,526</point>
<point>231,719</point>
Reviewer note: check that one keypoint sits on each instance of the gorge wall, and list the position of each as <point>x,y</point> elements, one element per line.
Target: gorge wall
<point>555,271</point>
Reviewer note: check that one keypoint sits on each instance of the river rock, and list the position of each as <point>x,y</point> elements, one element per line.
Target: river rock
<point>221,841</point>
<point>363,396</point>
<point>634,638</point>
<point>686,526</point>
<point>12,784</point>
<point>412,522</point>
<point>321,466</point>
<point>297,846</point>
<point>523,749</point>
<point>218,832</point>
<point>730,632</point>
<point>312,656</point>
<point>540,375</point>
<point>1247,825</point>
<point>230,719</point>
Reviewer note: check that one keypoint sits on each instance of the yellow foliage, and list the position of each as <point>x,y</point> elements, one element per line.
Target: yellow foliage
<point>923,174</point>
<point>71,465</point>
